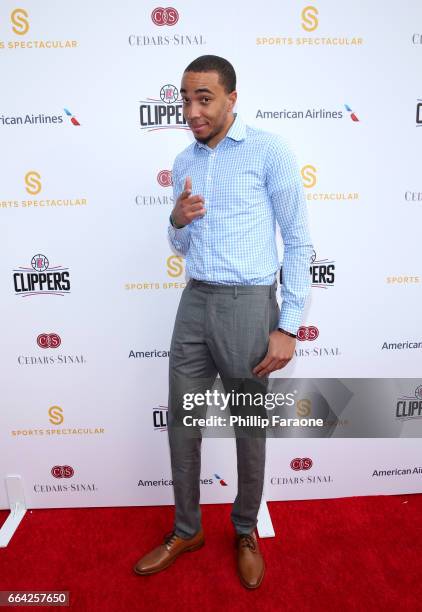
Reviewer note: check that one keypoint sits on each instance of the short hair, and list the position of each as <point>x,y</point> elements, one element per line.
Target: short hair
<point>209,63</point>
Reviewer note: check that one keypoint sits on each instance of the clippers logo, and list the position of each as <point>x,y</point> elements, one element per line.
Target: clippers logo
<point>419,113</point>
<point>353,117</point>
<point>309,18</point>
<point>159,418</point>
<point>221,481</point>
<point>62,471</point>
<point>37,281</point>
<point>322,272</point>
<point>410,407</point>
<point>45,341</point>
<point>164,178</point>
<point>307,333</point>
<point>298,463</point>
<point>20,21</point>
<point>40,263</point>
<point>169,94</point>
<point>163,113</point>
<point>165,16</point>
<point>73,119</point>
<point>55,414</point>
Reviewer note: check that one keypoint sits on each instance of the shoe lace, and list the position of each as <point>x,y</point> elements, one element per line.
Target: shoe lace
<point>169,538</point>
<point>247,541</point>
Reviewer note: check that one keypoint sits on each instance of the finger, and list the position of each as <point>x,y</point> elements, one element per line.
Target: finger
<point>184,195</point>
<point>281,363</point>
<point>195,215</point>
<point>262,364</point>
<point>188,184</point>
<point>187,188</point>
<point>193,199</point>
<point>271,367</point>
<point>276,364</point>
<point>196,206</point>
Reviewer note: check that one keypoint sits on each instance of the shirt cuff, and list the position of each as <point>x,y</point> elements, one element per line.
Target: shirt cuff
<point>290,319</point>
<point>178,233</point>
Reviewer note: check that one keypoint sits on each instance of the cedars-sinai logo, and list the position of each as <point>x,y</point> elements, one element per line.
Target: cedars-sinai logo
<point>165,16</point>
<point>307,332</point>
<point>163,113</point>
<point>164,178</point>
<point>301,463</point>
<point>41,278</point>
<point>46,341</point>
<point>62,471</point>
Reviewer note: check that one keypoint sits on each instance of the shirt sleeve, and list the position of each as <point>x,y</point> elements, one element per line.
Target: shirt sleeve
<point>179,238</point>
<point>287,196</point>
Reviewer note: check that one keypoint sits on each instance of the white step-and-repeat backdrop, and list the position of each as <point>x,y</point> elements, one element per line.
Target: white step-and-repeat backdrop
<point>90,123</point>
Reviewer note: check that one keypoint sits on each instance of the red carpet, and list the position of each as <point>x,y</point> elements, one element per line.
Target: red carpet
<point>362,553</point>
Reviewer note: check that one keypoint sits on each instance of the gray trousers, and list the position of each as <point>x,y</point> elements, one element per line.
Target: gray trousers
<point>218,329</point>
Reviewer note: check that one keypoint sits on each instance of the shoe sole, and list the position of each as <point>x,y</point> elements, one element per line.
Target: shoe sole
<point>249,586</point>
<point>163,567</point>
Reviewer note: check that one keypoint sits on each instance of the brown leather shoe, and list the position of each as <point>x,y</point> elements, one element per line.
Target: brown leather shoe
<point>164,555</point>
<point>250,563</point>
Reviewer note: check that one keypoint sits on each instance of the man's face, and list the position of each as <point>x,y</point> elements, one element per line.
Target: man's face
<point>207,107</point>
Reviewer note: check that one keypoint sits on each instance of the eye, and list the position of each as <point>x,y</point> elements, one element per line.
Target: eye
<point>205,100</point>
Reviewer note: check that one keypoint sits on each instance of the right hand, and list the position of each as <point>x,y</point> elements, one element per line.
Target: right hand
<point>188,207</point>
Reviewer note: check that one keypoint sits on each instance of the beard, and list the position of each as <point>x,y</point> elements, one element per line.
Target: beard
<point>212,134</point>
<point>217,130</point>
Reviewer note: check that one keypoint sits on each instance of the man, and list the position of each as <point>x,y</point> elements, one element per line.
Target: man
<point>231,186</point>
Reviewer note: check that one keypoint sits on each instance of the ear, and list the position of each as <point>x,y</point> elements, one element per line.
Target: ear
<point>232,99</point>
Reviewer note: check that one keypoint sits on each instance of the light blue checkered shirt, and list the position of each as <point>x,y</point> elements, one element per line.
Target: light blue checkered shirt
<point>249,181</point>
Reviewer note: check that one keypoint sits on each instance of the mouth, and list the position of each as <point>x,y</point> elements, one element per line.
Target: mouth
<point>198,129</point>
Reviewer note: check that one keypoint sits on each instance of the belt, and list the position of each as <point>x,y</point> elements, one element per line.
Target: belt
<point>234,290</point>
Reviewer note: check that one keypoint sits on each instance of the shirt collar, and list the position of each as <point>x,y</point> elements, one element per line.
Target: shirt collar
<point>237,131</point>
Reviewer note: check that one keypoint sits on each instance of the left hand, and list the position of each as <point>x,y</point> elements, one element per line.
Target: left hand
<point>280,351</point>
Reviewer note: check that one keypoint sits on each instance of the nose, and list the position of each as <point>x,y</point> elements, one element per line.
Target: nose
<point>192,111</point>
